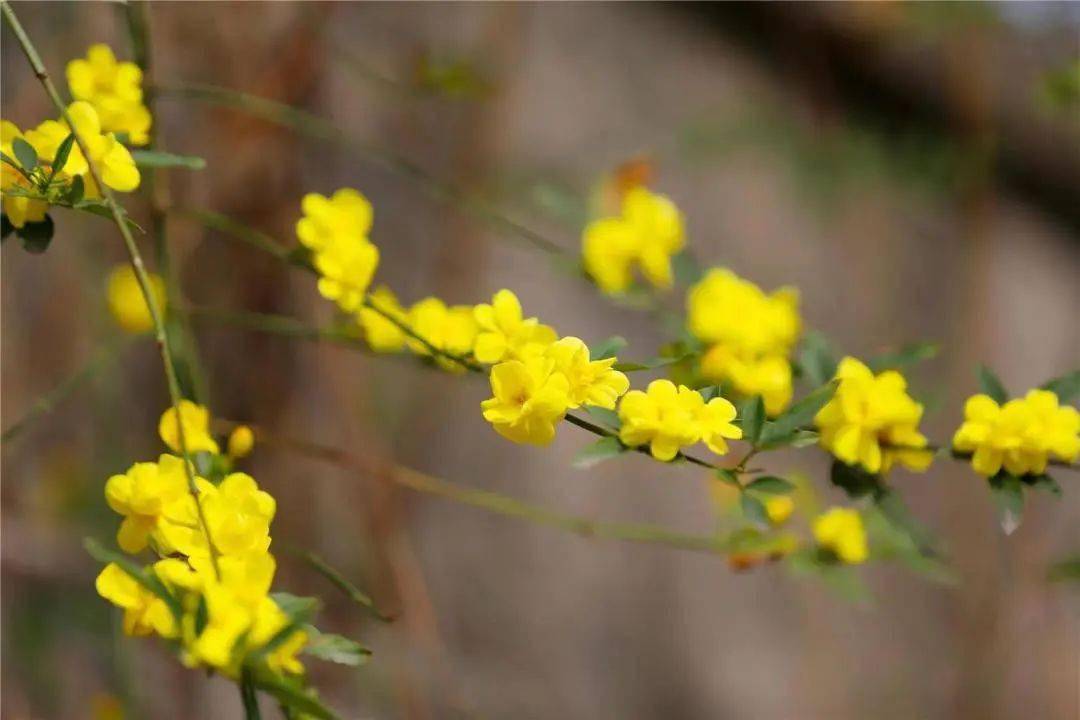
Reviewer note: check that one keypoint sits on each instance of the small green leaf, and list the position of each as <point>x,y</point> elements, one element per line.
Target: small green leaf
<point>339,581</point>
<point>75,191</point>
<point>24,153</point>
<point>709,392</point>
<point>817,359</point>
<point>728,476</point>
<point>599,451</point>
<point>607,348</point>
<point>605,416</point>
<point>1043,482</point>
<point>804,438</point>
<point>991,385</point>
<point>752,413</point>
<point>686,269</point>
<point>904,357</point>
<point>36,236</point>
<point>300,611</point>
<point>159,159</point>
<point>771,485</point>
<point>335,648</point>
<point>1065,387</point>
<point>291,694</point>
<point>147,579</point>
<point>1009,499</point>
<point>651,364</point>
<point>783,430</point>
<point>753,509</point>
<point>62,153</point>
<point>295,604</point>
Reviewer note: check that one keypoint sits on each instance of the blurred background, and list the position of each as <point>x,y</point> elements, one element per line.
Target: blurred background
<point>913,168</point>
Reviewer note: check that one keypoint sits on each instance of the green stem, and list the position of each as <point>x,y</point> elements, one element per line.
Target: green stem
<point>134,256</point>
<point>249,697</point>
<point>273,325</point>
<point>49,401</point>
<point>341,583</point>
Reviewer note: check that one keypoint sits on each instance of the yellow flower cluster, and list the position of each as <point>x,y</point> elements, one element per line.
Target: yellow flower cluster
<point>841,532</point>
<point>645,236</point>
<point>871,421</point>
<point>749,334</point>
<point>114,89</point>
<point>668,418</point>
<point>126,302</point>
<point>335,230</point>
<point>112,159</point>
<point>222,610</point>
<point>1020,436</point>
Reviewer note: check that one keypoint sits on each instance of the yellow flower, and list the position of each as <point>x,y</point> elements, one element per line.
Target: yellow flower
<point>841,531</point>
<point>346,214</point>
<point>871,420</point>
<point>503,334</point>
<point>114,89</point>
<point>750,335</point>
<point>241,442</point>
<point>238,515</point>
<point>19,210</point>
<point>450,329</point>
<point>646,235</point>
<point>529,399</point>
<point>714,422</point>
<point>112,159</point>
<point>346,267</point>
<point>381,334</point>
<point>144,612</point>
<point>778,508</point>
<point>665,417</point>
<point>1020,435</point>
<point>126,302</point>
<point>196,419</point>
<point>590,382</point>
<point>144,495</point>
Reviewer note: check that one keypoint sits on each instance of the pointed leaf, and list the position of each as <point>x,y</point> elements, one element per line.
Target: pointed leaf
<point>605,416</point>
<point>607,348</point>
<point>817,359</point>
<point>752,414</point>
<point>24,153</point>
<point>1066,387</point>
<point>753,509</point>
<point>159,159</point>
<point>335,648</point>
<point>62,153</point>
<point>904,357</point>
<point>991,385</point>
<point>603,449</point>
<point>771,485</point>
<point>783,430</point>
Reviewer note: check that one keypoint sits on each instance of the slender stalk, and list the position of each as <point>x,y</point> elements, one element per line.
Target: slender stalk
<point>273,325</point>
<point>248,697</point>
<point>50,400</point>
<point>134,256</point>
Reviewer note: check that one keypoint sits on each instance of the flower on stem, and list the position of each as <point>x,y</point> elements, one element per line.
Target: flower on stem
<point>241,442</point>
<point>665,417</point>
<point>749,334</point>
<point>144,612</point>
<point>529,399</point>
<point>145,495</point>
<point>1020,436</point>
<point>382,334</point>
<point>503,334</point>
<point>126,302</point>
<point>238,516</point>
<point>589,382</point>
<point>18,209</point>
<point>872,421</point>
<point>114,89</point>
<point>112,159</point>
<point>840,531</point>
<point>451,330</point>
<point>196,420</point>
<point>335,229</point>
<point>647,233</point>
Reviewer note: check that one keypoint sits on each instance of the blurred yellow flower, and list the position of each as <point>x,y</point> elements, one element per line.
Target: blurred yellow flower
<point>112,159</point>
<point>529,399</point>
<point>449,329</point>
<point>144,495</point>
<point>114,89</point>
<point>1020,435</point>
<point>196,420</point>
<point>347,213</point>
<point>238,515</point>
<point>778,508</point>
<point>382,334</point>
<point>503,334</point>
<point>750,335</point>
<point>241,442</point>
<point>589,382</point>
<point>841,531</point>
<point>126,302</point>
<point>645,236</point>
<point>714,420</point>
<point>144,612</point>
<point>19,210</point>
<point>872,421</point>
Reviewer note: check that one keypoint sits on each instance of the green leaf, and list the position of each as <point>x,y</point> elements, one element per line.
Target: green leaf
<point>854,480</point>
<point>752,413</point>
<point>604,416</point>
<point>5,158</point>
<point>804,438</point>
<point>335,648</point>
<point>771,485</point>
<point>904,357</point>
<point>817,359</point>
<point>24,153</point>
<point>75,191</point>
<point>599,451</point>
<point>299,609</point>
<point>97,207</point>
<point>651,364</point>
<point>159,159</point>
<point>61,158</point>
<point>1066,387</point>
<point>991,385</point>
<point>144,577</point>
<point>1043,482</point>
<point>607,348</point>
<point>36,236</point>
<point>729,477</point>
<point>753,509</point>
<point>895,512</point>
<point>686,269</point>
<point>291,694</point>
<point>709,392</point>
<point>295,604</point>
<point>783,430</point>
<point>1009,499</point>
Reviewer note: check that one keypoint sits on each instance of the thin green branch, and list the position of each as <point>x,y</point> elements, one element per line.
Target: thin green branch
<point>134,256</point>
<point>50,400</point>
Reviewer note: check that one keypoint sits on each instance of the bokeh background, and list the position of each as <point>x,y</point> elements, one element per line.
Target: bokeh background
<point>913,168</point>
